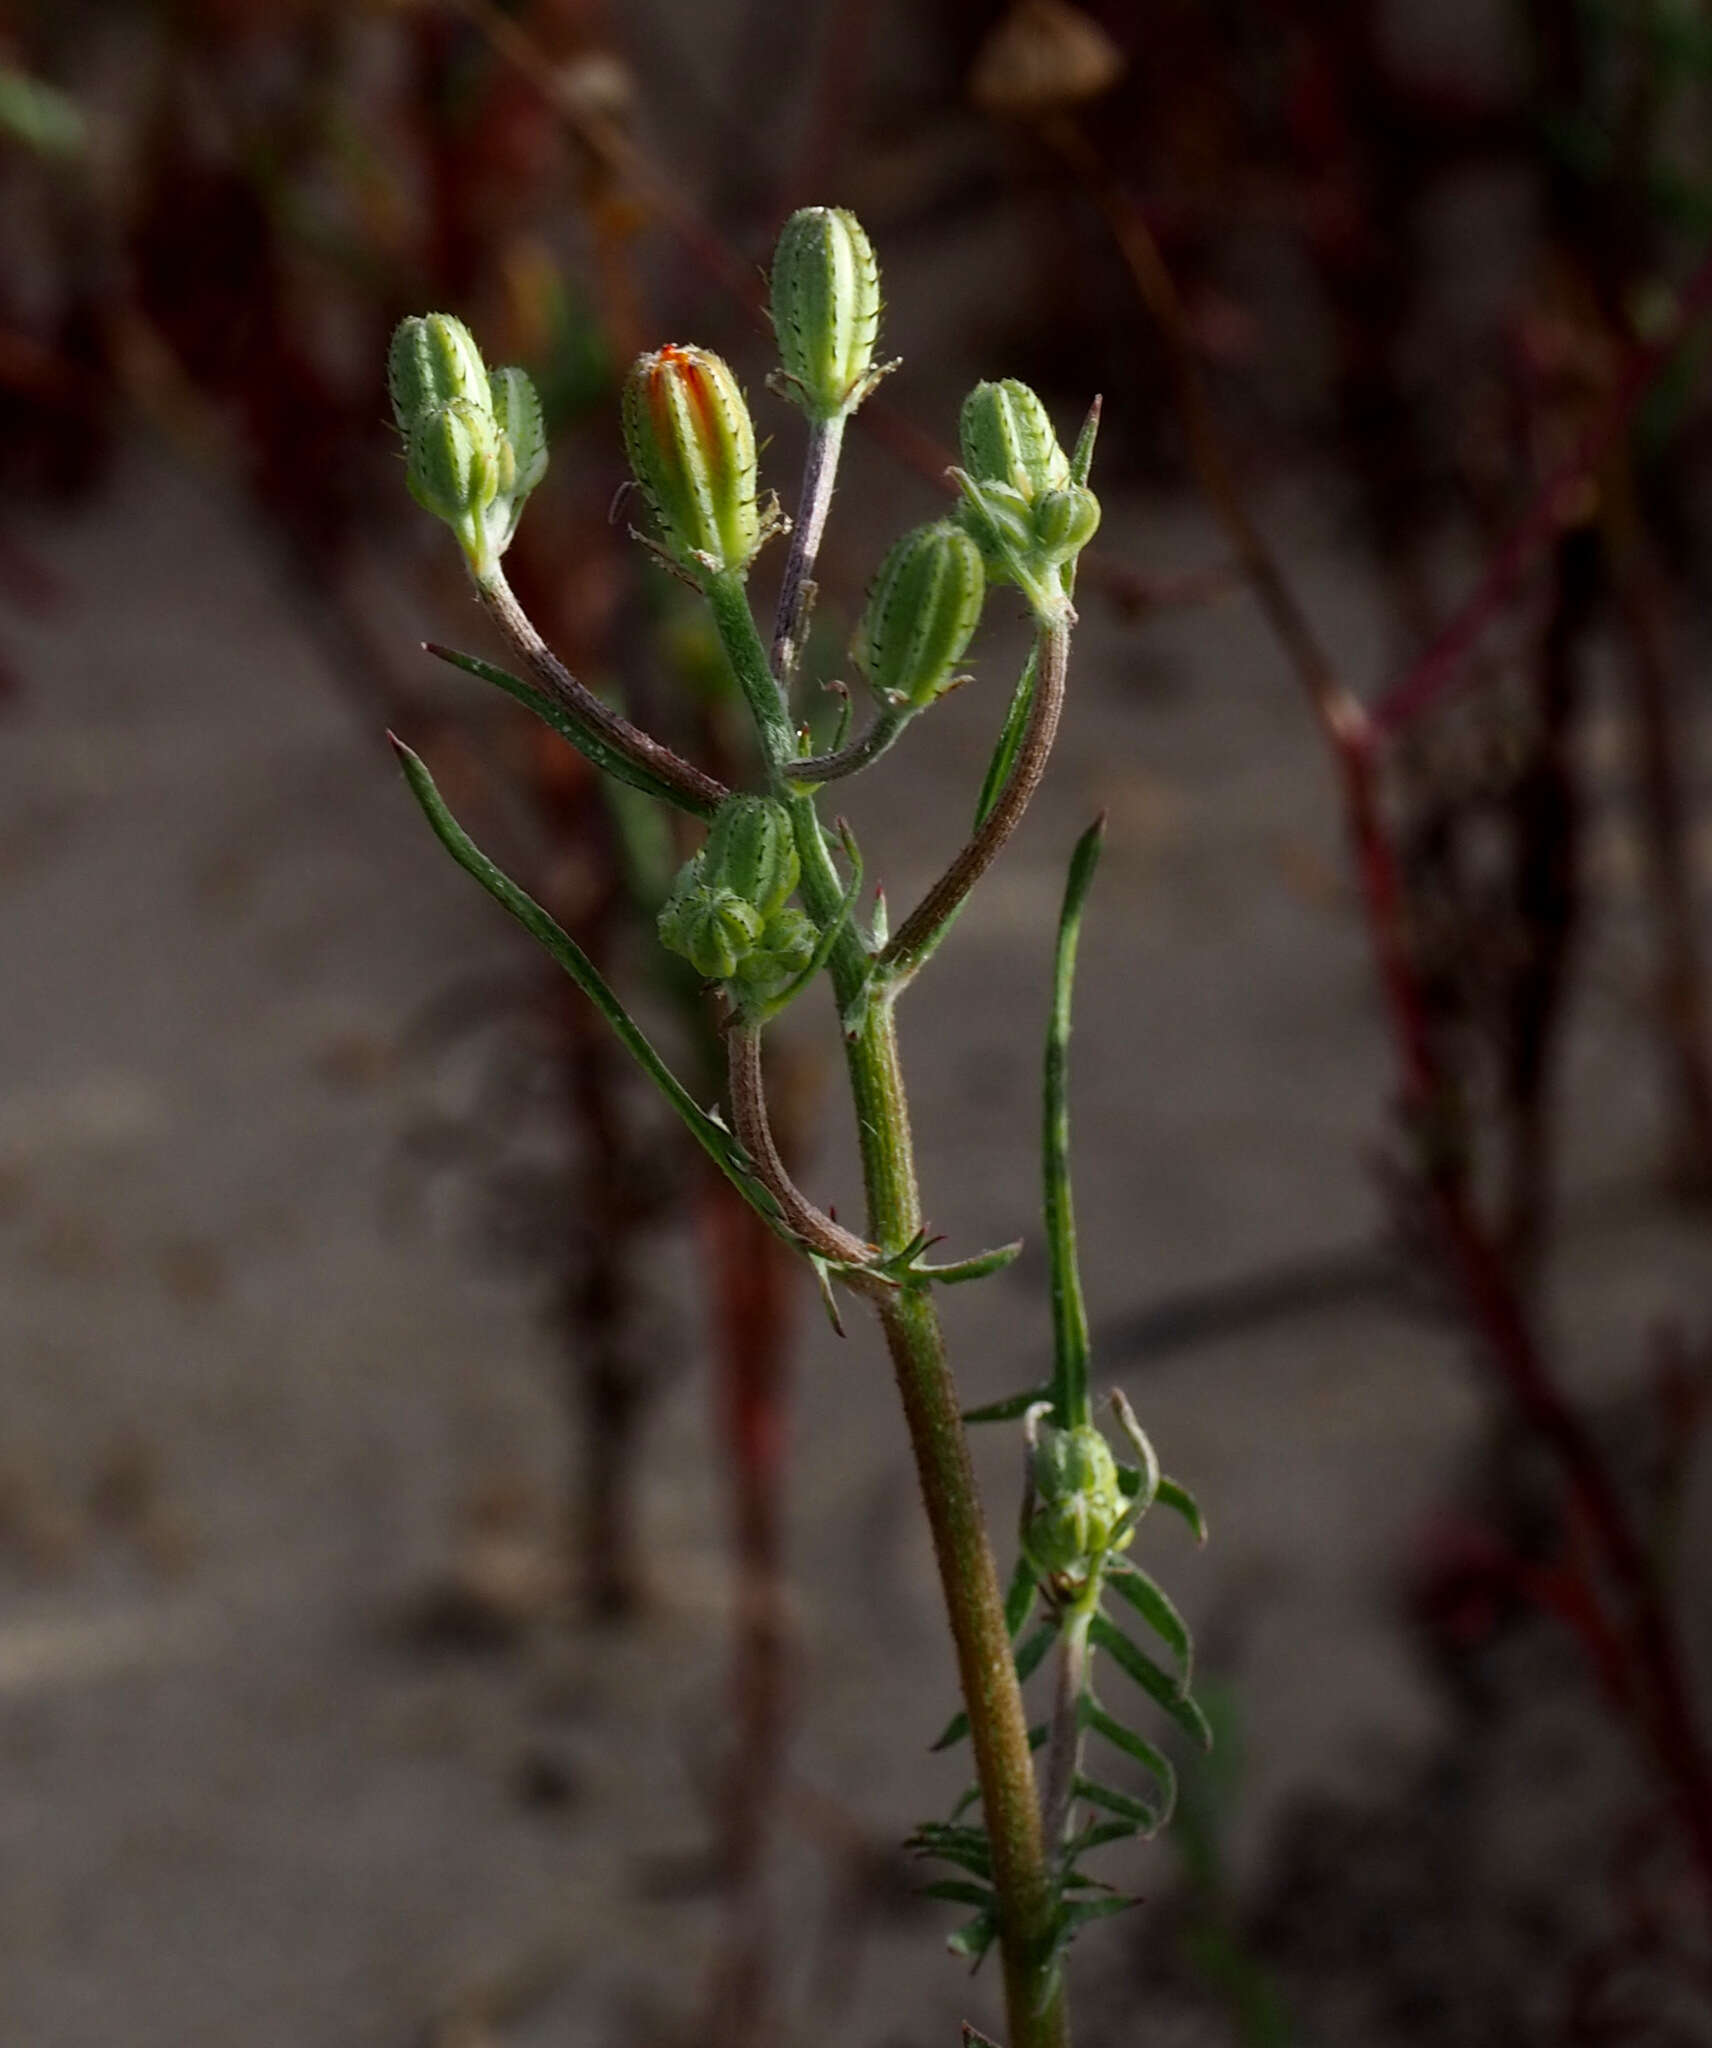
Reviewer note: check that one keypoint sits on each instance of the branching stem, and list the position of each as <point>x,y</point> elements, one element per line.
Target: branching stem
<point>701,791</point>
<point>925,925</point>
<point>796,588</point>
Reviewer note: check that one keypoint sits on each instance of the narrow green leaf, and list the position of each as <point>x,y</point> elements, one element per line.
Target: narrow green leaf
<point>1157,1684</point>
<point>1154,1605</point>
<point>569,727</point>
<point>1069,1315</point>
<point>1182,1502</point>
<point>1010,740</point>
<point>974,1938</point>
<point>1151,1759</point>
<point>1076,1913</point>
<point>955,1892</point>
<point>977,1267</point>
<point>1019,1596</point>
<point>1110,1800</point>
<point>715,1140</point>
<point>1099,1833</point>
<point>1010,1407</point>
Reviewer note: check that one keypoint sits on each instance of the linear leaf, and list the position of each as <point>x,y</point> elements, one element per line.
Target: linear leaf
<point>1010,739</point>
<point>1010,1407</point>
<point>974,1938</point>
<point>569,727</point>
<point>1159,1685</point>
<point>1019,1597</point>
<point>1156,1608</point>
<point>715,1140</point>
<point>1151,1759</point>
<point>1182,1502</point>
<point>954,1891</point>
<point>1069,1313</point>
<point>1124,1804</point>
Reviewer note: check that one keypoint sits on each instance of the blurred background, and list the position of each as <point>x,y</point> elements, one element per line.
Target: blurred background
<point>455,1589</point>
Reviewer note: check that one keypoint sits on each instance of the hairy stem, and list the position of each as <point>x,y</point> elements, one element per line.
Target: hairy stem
<point>755,1133</point>
<point>700,791</point>
<point>796,588</point>
<point>873,743</point>
<point>968,1575</point>
<point>1064,1743</point>
<point>925,925</point>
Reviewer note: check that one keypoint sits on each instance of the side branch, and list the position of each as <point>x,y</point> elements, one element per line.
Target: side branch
<point>922,930</point>
<point>700,791</point>
<point>754,1132</point>
<point>796,588</point>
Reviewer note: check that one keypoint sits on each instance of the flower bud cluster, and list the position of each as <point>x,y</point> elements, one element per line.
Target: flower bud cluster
<point>729,913</point>
<point>1022,505</point>
<point>922,610</point>
<point>475,442</point>
<point>691,445</point>
<point>826,311</point>
<point>1080,1512</point>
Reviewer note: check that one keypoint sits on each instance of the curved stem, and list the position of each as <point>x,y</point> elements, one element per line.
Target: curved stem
<point>873,743</point>
<point>820,473</point>
<point>701,791</point>
<point>925,926</point>
<point>754,1133</point>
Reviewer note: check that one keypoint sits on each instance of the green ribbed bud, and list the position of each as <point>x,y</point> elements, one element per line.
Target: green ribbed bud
<point>752,851</point>
<point>1020,505</point>
<point>1007,437</point>
<point>454,469</point>
<point>433,359</point>
<point>826,310</point>
<point>692,447</point>
<point>922,610</point>
<point>1065,521</point>
<point>1079,1503</point>
<point>712,928</point>
<point>786,948</point>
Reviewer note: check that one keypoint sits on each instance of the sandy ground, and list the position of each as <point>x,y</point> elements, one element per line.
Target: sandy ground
<point>242,1398</point>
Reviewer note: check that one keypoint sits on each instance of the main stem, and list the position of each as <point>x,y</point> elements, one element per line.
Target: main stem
<point>969,1579</point>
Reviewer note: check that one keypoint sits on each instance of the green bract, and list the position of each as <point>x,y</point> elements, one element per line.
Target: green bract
<point>692,448</point>
<point>923,607</point>
<point>826,309</point>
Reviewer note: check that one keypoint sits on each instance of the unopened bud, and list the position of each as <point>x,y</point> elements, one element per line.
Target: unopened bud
<point>923,607</point>
<point>692,447</point>
<point>712,928</point>
<point>1079,1502</point>
<point>454,467</point>
<point>752,851</point>
<point>1065,521</point>
<point>1007,437</point>
<point>786,948</point>
<point>826,309</point>
<point>433,360</point>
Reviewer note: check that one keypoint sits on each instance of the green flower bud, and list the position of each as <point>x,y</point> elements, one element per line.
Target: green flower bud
<point>433,360</point>
<point>923,607</point>
<point>712,928</point>
<point>1007,437</point>
<point>826,309</point>
<point>1079,1502</point>
<point>692,447</point>
<point>1065,521</point>
<point>752,851</point>
<point>454,469</point>
<point>786,947</point>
